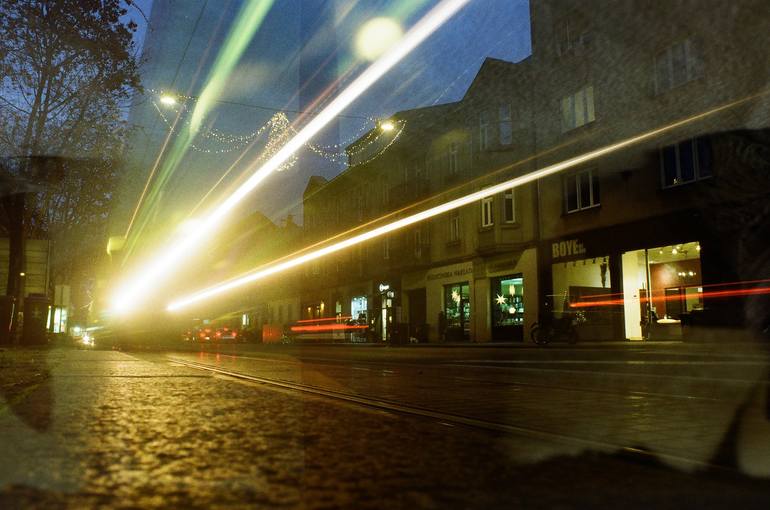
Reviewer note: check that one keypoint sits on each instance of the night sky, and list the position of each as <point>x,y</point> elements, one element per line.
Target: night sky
<point>268,75</point>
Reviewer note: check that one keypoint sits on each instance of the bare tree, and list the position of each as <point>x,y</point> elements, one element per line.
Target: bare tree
<point>67,70</point>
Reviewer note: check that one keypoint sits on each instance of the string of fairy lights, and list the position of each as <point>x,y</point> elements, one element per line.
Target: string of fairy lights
<point>277,130</point>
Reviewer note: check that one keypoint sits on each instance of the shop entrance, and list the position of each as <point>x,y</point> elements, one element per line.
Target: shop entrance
<point>659,286</point>
<point>457,311</point>
<point>507,305</point>
<point>418,314</point>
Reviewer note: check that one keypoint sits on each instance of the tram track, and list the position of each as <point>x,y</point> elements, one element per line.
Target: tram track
<point>452,419</point>
<point>389,368</point>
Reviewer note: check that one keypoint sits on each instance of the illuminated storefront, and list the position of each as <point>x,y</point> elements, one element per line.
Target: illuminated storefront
<point>634,281</point>
<point>507,307</point>
<point>457,311</point>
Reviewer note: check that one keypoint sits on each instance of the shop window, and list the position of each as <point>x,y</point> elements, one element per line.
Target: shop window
<point>454,226</point>
<point>581,191</point>
<point>509,211</point>
<point>358,308</point>
<point>505,130</point>
<point>686,162</point>
<point>578,109</point>
<point>457,311</point>
<point>507,301</point>
<point>484,130</point>
<point>677,65</point>
<point>582,291</point>
<point>487,218</point>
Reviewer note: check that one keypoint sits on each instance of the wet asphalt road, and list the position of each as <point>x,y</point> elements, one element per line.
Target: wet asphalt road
<point>135,430</point>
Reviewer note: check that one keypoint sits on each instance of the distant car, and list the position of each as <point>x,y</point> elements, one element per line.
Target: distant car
<point>226,334</point>
<point>203,334</point>
<point>86,341</point>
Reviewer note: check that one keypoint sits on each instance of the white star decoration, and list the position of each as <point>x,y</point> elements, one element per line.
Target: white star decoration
<point>455,296</point>
<point>500,299</point>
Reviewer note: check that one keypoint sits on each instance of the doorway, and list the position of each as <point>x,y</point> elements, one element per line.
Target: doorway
<point>660,285</point>
<point>418,315</point>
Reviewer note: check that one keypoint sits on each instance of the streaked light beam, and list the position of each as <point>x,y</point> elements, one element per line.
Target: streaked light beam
<point>439,209</point>
<point>127,298</point>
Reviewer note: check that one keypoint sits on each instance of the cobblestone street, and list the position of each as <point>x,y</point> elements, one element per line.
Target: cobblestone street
<point>106,428</point>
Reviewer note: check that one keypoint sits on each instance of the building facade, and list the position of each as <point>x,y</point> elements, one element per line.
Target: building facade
<point>639,242</point>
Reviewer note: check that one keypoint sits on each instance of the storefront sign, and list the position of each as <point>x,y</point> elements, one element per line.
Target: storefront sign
<point>568,248</point>
<point>449,274</point>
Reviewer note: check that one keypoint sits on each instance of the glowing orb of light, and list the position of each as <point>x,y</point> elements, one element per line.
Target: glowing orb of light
<point>376,36</point>
<point>168,100</point>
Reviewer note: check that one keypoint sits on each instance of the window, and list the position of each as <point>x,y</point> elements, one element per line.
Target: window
<point>418,243</point>
<point>686,161</point>
<point>507,301</point>
<point>454,226</point>
<point>571,36</point>
<point>457,311</point>
<point>578,109</point>
<point>509,212</point>
<point>484,130</point>
<point>505,128</point>
<point>581,191</point>
<point>487,220</point>
<point>385,191</point>
<point>360,203</point>
<point>677,65</point>
<point>454,164</point>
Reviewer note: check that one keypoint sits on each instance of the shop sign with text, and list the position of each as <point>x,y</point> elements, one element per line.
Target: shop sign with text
<point>568,248</point>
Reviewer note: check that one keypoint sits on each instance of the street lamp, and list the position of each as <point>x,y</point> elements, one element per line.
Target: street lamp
<point>168,99</point>
<point>387,126</point>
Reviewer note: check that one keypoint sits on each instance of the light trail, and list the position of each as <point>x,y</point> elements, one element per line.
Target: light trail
<point>127,297</point>
<point>440,209</point>
<point>663,298</point>
<point>328,327</point>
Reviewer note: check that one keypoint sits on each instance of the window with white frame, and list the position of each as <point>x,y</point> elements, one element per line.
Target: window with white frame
<point>487,218</point>
<point>484,130</point>
<point>454,225</point>
<point>509,210</point>
<point>454,161</point>
<point>360,203</point>
<point>581,191</point>
<point>505,128</point>
<point>417,242</point>
<point>385,191</point>
<point>676,65</point>
<point>686,161</point>
<point>578,109</point>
